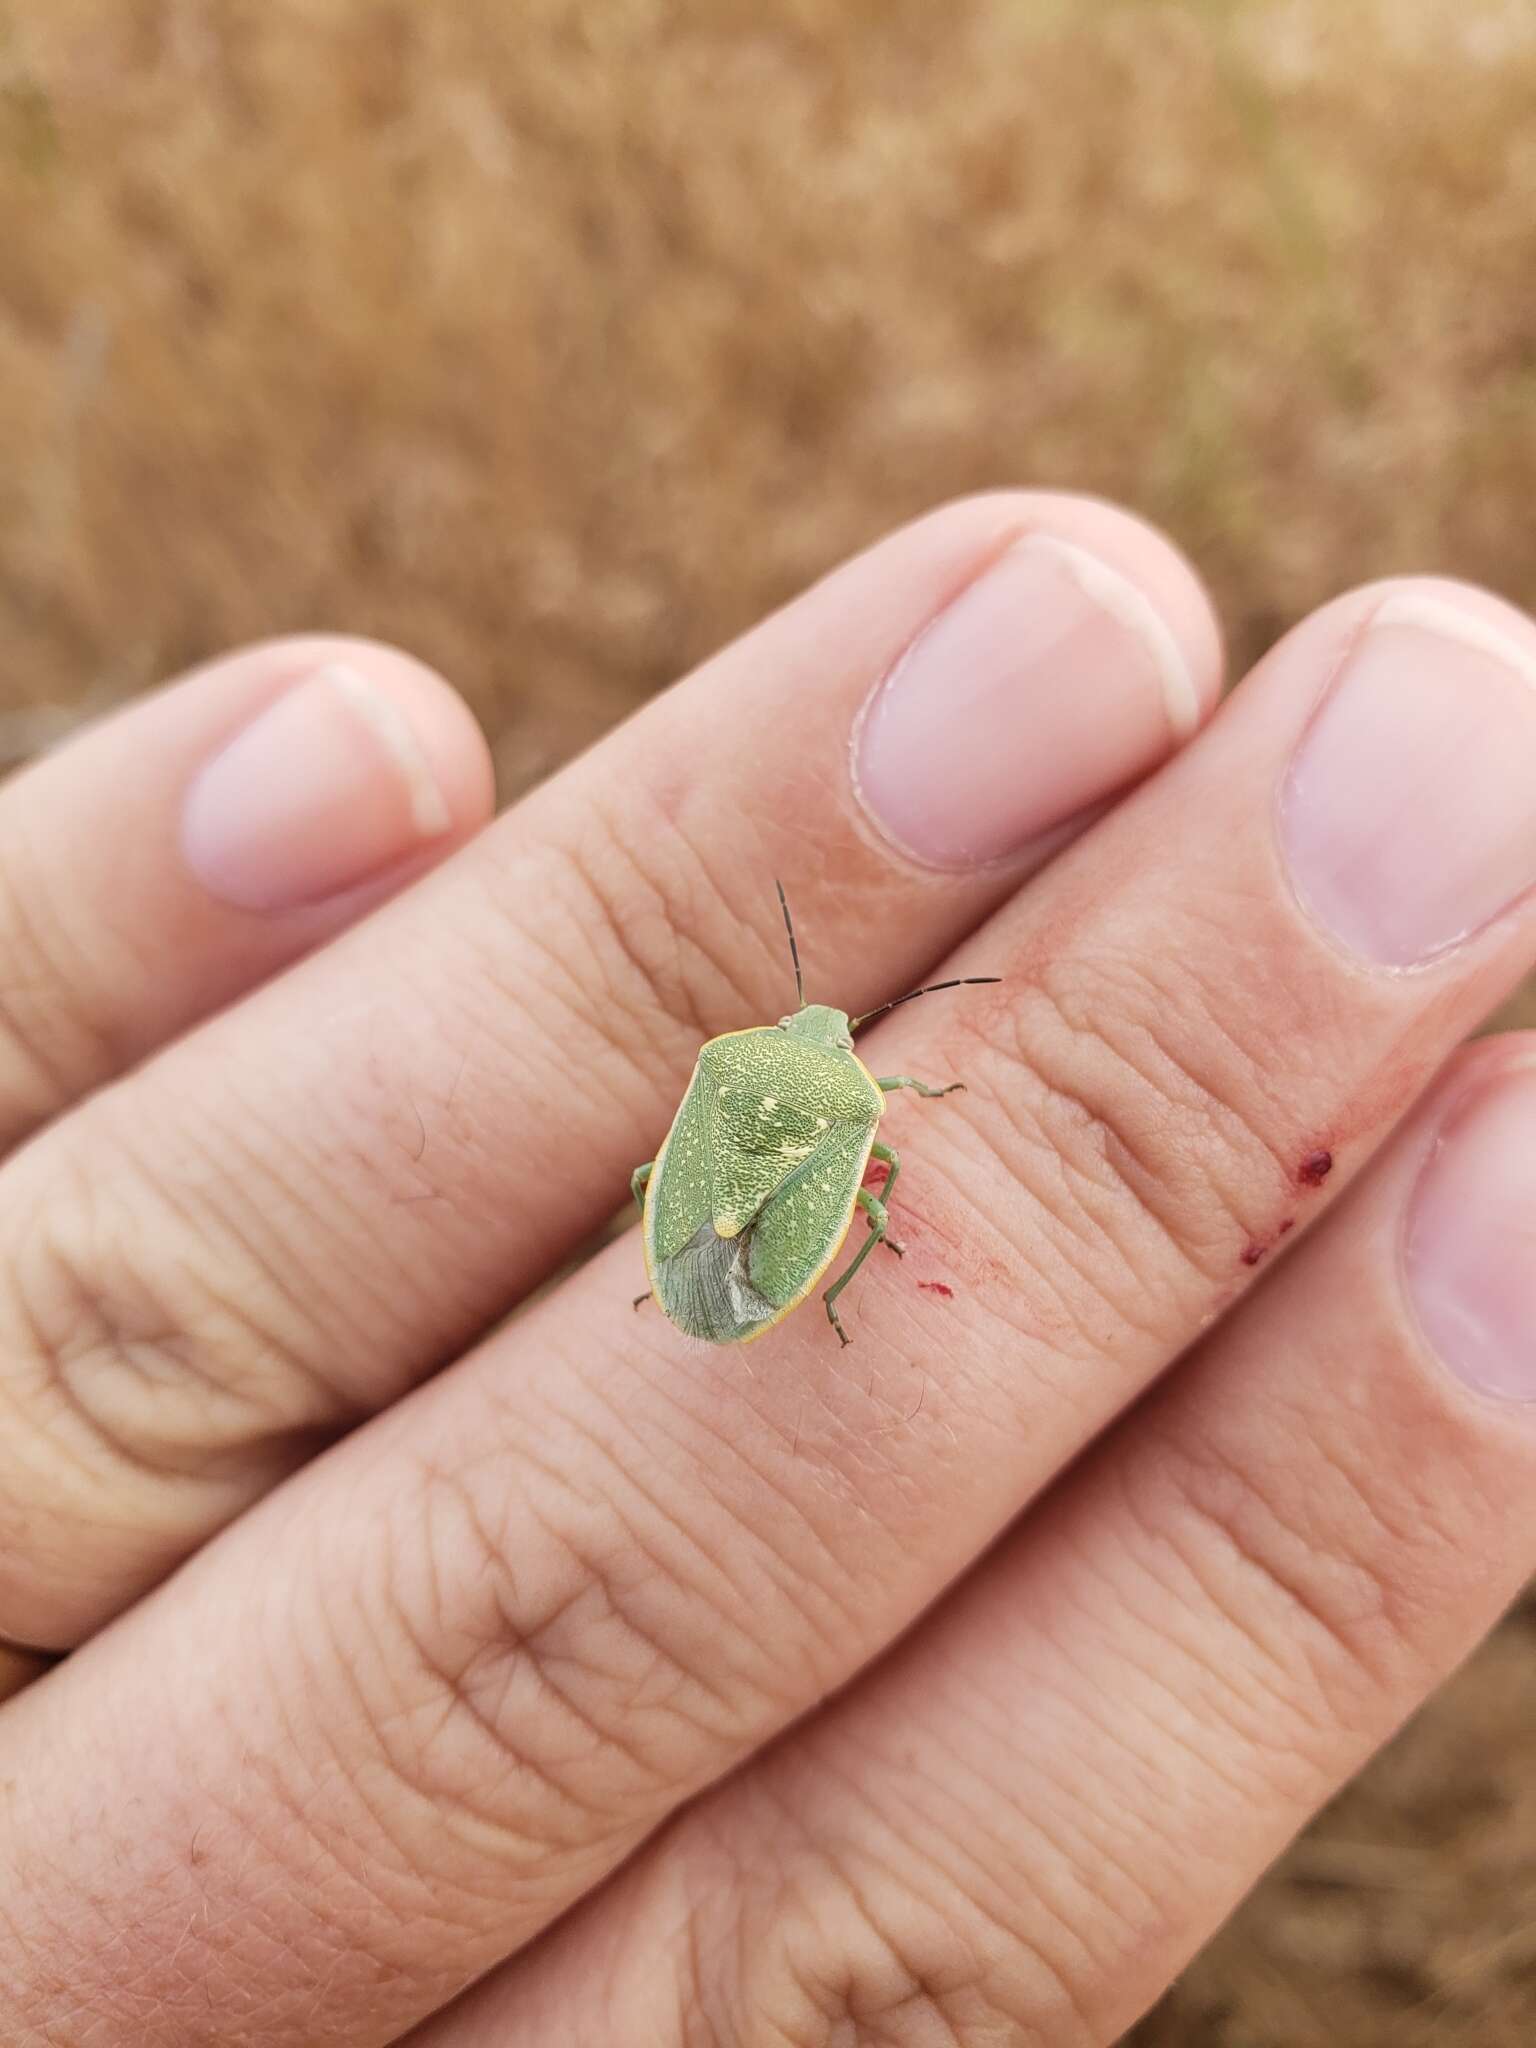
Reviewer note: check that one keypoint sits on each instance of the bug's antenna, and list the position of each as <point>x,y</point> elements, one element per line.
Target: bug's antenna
<point>794,950</point>
<point>965,981</point>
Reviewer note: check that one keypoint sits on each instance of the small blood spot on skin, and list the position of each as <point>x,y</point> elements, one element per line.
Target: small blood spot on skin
<point>1253,1253</point>
<point>1288,1224</point>
<point>1315,1169</point>
<point>937,1287</point>
<point>876,1174</point>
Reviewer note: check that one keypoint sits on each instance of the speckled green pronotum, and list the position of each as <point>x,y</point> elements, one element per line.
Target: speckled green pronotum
<point>749,1200</point>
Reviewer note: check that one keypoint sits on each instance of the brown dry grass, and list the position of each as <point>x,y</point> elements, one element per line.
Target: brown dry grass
<point>557,341</point>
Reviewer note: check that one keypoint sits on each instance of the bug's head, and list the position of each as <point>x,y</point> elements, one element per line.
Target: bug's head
<point>821,1025</point>
<point>834,1028</point>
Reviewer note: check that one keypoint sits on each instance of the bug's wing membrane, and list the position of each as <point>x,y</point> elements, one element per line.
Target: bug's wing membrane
<point>800,1232</point>
<point>706,1288</point>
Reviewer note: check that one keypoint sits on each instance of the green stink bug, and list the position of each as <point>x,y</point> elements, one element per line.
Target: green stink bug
<point>753,1192</point>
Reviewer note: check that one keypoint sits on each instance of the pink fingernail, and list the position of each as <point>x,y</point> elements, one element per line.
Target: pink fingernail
<point>327,788</point>
<point>1049,683</point>
<point>1409,814</point>
<point>1471,1247</point>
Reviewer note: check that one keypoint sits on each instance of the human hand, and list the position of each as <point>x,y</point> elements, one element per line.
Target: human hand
<point>1211,1363</point>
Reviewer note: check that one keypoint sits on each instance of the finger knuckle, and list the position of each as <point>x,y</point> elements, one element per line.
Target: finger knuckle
<point>554,1678</point>
<point>149,1387</point>
<point>839,1947</point>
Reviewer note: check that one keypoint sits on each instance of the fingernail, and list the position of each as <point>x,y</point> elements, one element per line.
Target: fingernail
<point>325,789</point>
<point>1471,1247</point>
<point>1409,814</point>
<point>1049,683</point>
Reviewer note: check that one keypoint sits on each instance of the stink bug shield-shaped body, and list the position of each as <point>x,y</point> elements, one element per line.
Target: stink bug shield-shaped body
<point>752,1195</point>
<point>753,1192</point>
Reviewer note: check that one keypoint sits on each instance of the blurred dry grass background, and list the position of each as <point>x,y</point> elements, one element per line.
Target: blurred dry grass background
<point>557,341</point>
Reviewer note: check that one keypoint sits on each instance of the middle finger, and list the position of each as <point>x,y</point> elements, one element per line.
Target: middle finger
<point>506,1629</point>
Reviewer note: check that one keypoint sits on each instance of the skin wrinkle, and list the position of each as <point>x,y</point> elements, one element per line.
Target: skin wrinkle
<point>494,1833</point>
<point>186,1350</point>
<point>871,1972</point>
<point>831,1983</point>
<point>590,988</point>
<point>341,1212</point>
<point>497,1827</point>
<point>1153,1667</point>
<point>1321,1630</point>
<point>724,1611</point>
<point>365,1874</point>
<point>1071,1862</point>
<point>1162,1678</point>
<point>538,1644</point>
<point>902,1856</point>
<point>1265,1766</point>
<point>545,1069</point>
<point>250,1819</point>
<point>1042,1311</point>
<point>435,1808</point>
<point>698,1553</point>
<point>790,1582</point>
<point>527,1646</point>
<point>1085,1630</point>
<point>1396,1529</point>
<point>221,1353</point>
<point>1080,1161</point>
<point>253,1248</point>
<point>1096,1235</point>
<point>648,988</point>
<point>1078,1861</point>
<point>1038,1314</point>
<point>639,993</point>
<point>1149,1658</point>
<point>652,1400</point>
<point>1179,1099</point>
<point>1068,1846</point>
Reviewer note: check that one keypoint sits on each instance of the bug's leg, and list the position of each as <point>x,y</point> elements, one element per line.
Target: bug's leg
<point>892,1160</point>
<point>641,1299</point>
<point>890,1082</point>
<point>878,1222</point>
